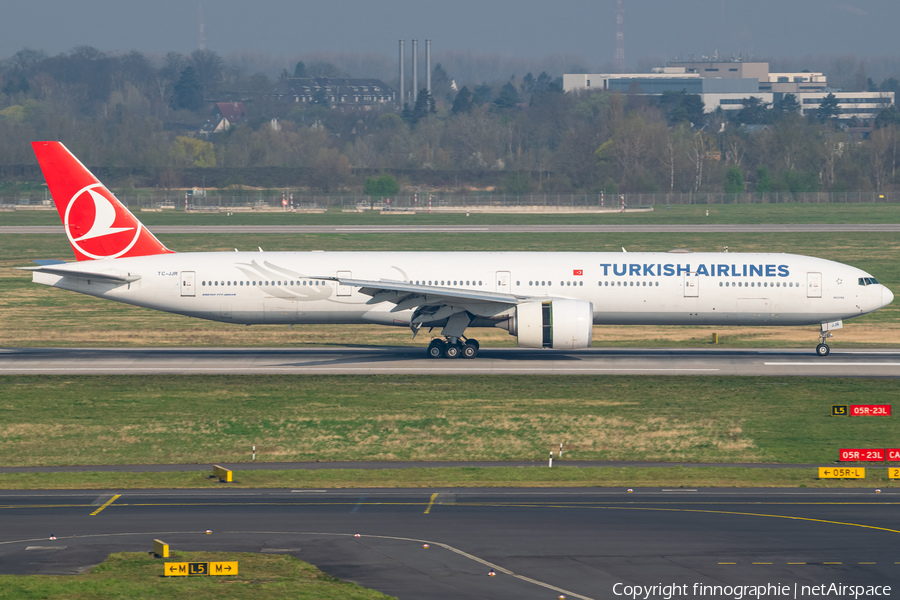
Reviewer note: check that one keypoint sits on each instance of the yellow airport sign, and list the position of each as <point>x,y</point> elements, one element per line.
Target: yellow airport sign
<point>191,569</point>
<point>223,568</point>
<point>894,473</point>
<point>222,473</point>
<point>839,410</point>
<point>842,473</point>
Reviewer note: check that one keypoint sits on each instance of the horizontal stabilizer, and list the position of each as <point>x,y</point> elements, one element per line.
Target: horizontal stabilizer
<point>110,277</point>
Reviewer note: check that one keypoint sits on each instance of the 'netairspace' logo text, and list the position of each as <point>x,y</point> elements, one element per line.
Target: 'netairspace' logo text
<point>738,592</point>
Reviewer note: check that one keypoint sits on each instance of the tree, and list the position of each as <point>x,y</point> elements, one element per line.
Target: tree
<point>508,98</point>
<point>481,94</point>
<point>828,109</point>
<point>681,107</point>
<point>734,180</point>
<point>300,69</point>
<point>888,116</point>
<point>191,152</point>
<point>188,91</point>
<point>890,85</point>
<point>330,170</point>
<point>787,105</point>
<point>763,180</point>
<point>208,66</point>
<point>754,111</point>
<point>424,106</point>
<point>385,185</point>
<point>463,102</point>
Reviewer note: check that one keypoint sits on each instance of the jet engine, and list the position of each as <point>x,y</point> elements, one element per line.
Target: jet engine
<point>565,324</point>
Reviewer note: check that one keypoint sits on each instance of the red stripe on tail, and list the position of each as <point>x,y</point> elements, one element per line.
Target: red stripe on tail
<point>97,224</point>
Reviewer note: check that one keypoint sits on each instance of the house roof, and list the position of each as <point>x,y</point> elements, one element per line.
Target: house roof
<point>233,111</point>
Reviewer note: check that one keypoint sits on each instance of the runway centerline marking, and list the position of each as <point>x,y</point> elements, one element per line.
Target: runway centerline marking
<point>834,364</point>
<point>105,504</point>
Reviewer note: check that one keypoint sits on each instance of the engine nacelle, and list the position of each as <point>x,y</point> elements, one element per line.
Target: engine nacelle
<point>565,324</point>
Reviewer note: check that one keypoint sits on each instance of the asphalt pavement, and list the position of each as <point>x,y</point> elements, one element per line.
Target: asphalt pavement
<point>412,360</point>
<point>540,543</point>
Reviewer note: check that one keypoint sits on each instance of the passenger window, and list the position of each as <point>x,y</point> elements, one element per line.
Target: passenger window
<point>657,284</point>
<point>581,283</point>
<point>518,284</point>
<point>721,284</point>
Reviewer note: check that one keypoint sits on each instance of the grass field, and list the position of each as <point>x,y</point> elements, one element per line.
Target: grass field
<point>34,315</point>
<point>137,575</point>
<point>97,420</point>
<point>677,214</point>
<point>453,477</point>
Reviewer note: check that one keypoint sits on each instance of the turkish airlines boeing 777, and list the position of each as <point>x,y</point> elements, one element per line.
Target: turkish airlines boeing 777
<point>545,299</point>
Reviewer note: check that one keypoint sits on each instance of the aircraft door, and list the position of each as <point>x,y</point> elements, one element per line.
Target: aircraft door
<point>813,285</point>
<point>344,290</point>
<point>691,285</point>
<point>187,284</point>
<point>503,282</point>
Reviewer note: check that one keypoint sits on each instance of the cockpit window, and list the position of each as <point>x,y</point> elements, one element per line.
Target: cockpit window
<point>867,281</point>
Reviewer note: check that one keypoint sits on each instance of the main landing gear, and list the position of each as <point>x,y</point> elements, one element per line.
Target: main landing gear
<point>453,348</point>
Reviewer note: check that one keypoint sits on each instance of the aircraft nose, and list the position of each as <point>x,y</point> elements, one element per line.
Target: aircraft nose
<point>886,296</point>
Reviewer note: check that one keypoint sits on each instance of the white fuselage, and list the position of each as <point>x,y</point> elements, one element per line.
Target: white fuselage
<point>624,288</point>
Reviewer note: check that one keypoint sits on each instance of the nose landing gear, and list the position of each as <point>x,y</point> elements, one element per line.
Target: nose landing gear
<point>822,349</point>
<point>453,348</point>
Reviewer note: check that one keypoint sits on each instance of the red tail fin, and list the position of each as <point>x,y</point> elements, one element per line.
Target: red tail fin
<point>98,225</point>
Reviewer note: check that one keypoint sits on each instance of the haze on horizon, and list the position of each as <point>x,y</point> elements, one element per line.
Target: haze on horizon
<point>656,30</point>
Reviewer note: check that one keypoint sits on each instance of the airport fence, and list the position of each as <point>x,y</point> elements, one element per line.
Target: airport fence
<point>422,202</point>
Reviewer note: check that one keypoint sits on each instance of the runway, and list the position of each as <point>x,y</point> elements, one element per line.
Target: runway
<point>537,228</point>
<point>412,361</point>
<point>541,543</point>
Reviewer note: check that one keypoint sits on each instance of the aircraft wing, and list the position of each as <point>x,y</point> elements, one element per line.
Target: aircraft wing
<point>432,303</point>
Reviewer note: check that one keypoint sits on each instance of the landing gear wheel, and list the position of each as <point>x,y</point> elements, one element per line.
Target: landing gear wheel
<point>436,348</point>
<point>474,343</point>
<point>823,349</point>
<point>470,350</point>
<point>452,351</point>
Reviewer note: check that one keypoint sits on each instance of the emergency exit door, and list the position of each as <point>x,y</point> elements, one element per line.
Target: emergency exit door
<point>691,285</point>
<point>813,285</point>
<point>187,284</point>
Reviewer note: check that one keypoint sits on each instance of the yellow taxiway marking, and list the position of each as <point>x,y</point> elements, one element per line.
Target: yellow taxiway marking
<point>797,563</point>
<point>431,503</point>
<point>832,563</point>
<point>761,563</point>
<point>105,504</point>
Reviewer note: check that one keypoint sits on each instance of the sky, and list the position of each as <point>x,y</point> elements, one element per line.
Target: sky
<point>655,30</point>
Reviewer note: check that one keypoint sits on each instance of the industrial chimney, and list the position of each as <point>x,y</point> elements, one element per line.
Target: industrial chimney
<point>415,57</point>
<point>401,98</point>
<point>428,65</point>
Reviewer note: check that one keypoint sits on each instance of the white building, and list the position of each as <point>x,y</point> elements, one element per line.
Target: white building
<point>726,85</point>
